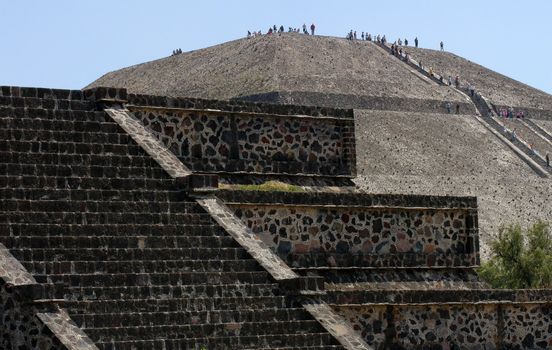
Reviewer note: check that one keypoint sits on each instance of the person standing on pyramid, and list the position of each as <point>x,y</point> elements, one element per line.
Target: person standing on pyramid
<point>442,46</point>
<point>416,41</point>
<point>312,28</point>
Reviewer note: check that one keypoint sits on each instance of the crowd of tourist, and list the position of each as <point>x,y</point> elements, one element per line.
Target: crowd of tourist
<point>510,113</point>
<point>380,39</point>
<point>176,52</point>
<point>277,30</point>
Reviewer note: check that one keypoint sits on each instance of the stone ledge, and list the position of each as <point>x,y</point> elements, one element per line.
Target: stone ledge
<point>348,199</point>
<point>357,102</point>
<point>110,94</point>
<point>236,106</point>
<point>438,296</point>
<point>218,112</point>
<point>57,94</point>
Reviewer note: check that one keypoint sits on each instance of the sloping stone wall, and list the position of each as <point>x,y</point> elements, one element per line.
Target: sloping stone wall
<point>216,141</point>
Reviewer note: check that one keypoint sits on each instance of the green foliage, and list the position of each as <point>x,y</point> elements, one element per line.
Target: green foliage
<point>270,186</point>
<point>519,262</point>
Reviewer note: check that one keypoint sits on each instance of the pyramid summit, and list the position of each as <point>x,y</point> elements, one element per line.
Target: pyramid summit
<point>286,68</point>
<point>294,68</point>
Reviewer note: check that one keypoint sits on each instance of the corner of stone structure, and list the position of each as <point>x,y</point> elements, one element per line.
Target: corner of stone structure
<point>67,333</point>
<point>30,312</point>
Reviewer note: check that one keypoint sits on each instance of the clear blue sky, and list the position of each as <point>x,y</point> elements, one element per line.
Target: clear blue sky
<point>69,43</point>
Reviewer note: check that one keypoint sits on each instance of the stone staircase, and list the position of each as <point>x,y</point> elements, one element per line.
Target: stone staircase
<point>532,137</point>
<point>141,264</point>
<point>502,128</point>
<point>545,133</point>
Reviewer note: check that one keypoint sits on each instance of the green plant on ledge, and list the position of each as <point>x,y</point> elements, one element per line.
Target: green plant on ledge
<point>269,186</point>
<point>520,259</point>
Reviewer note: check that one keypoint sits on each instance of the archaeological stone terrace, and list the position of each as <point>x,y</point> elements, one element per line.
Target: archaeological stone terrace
<point>130,218</point>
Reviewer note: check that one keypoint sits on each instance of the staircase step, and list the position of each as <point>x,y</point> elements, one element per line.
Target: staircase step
<point>108,160</point>
<point>61,125</point>
<point>141,319</point>
<point>283,341</point>
<point>79,170</point>
<point>117,242</point>
<point>45,93</point>
<point>86,183</point>
<point>99,254</point>
<point>202,330</point>
<point>131,266</point>
<point>54,114</point>
<point>17,205</point>
<point>69,147</point>
<point>321,347</point>
<point>46,103</point>
<point>173,305</point>
<point>62,136</point>
<point>36,217</point>
<point>173,291</point>
<point>24,229</point>
<point>500,129</point>
<point>99,195</point>
<point>146,279</point>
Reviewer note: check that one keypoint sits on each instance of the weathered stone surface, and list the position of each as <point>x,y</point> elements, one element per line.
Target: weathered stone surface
<point>308,229</point>
<point>27,323</point>
<point>210,141</point>
<point>68,333</point>
<point>449,155</point>
<point>337,326</point>
<point>243,235</point>
<point>11,270</point>
<point>487,325</point>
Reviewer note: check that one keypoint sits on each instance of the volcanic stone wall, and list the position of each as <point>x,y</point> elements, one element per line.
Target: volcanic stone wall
<point>364,230</point>
<point>454,325</point>
<point>227,142</point>
<point>20,327</point>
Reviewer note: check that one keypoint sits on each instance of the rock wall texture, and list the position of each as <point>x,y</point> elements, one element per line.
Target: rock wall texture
<point>449,155</point>
<point>321,233</point>
<point>453,326</point>
<point>20,326</point>
<point>501,90</point>
<point>209,141</point>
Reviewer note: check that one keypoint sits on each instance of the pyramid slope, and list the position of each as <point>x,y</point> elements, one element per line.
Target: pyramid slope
<point>500,89</point>
<point>279,63</point>
<point>449,155</point>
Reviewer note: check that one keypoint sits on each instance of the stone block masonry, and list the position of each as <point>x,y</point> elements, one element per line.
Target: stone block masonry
<point>481,325</point>
<point>29,316</point>
<point>242,142</point>
<point>305,232</point>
